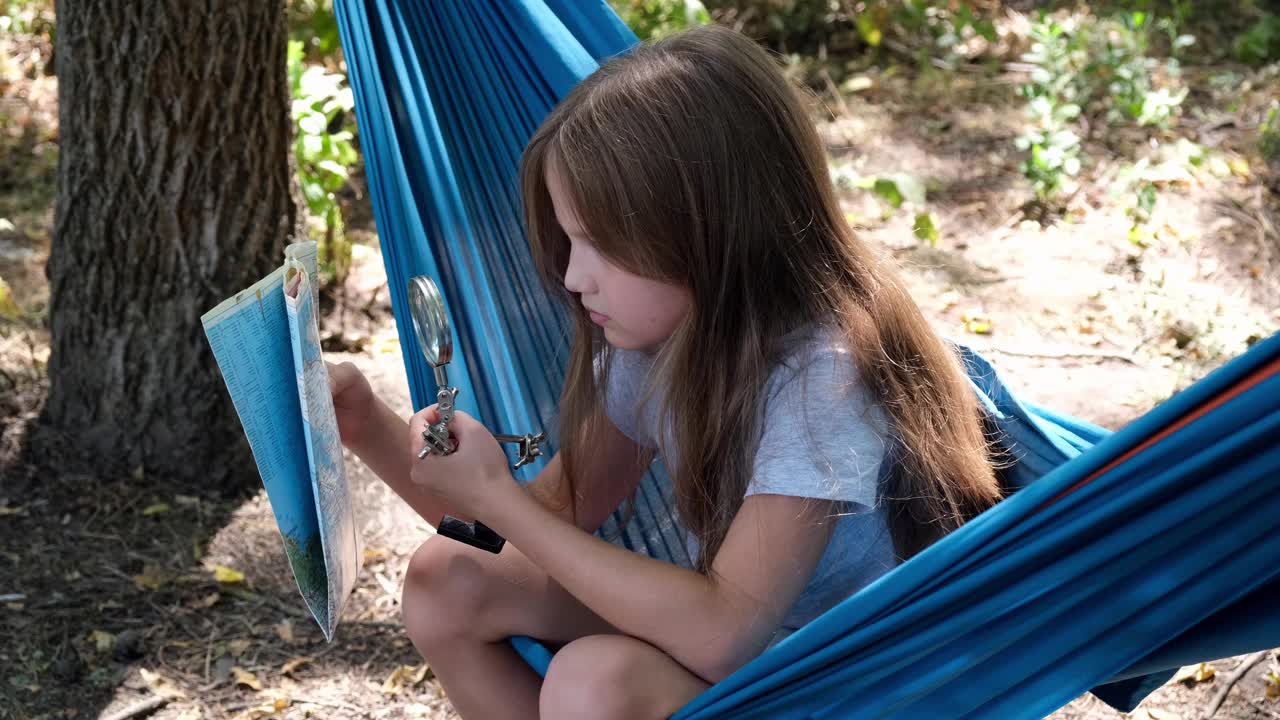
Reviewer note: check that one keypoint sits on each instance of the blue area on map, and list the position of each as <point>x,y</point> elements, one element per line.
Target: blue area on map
<point>259,373</point>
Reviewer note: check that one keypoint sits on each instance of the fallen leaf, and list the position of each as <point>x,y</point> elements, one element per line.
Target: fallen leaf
<point>294,664</point>
<point>857,83</point>
<point>244,677</point>
<point>238,647</point>
<point>152,577</point>
<point>371,554</point>
<point>208,601</point>
<point>404,676</point>
<point>224,574</point>
<point>8,306</point>
<point>284,630</point>
<point>17,510</point>
<point>160,684</point>
<point>102,640</point>
<point>265,710</point>
<point>156,509</point>
<point>976,322</point>
<point>1273,686</point>
<point>186,500</point>
<point>1192,674</point>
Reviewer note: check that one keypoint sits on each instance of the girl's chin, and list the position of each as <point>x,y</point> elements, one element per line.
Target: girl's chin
<point>618,339</point>
<point>622,341</point>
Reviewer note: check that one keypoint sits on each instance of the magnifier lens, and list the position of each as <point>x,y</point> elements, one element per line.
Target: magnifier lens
<point>430,323</point>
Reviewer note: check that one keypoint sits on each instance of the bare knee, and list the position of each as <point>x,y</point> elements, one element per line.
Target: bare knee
<point>445,591</point>
<point>595,677</point>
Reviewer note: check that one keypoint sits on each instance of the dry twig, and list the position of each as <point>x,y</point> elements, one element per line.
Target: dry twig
<point>1231,680</point>
<point>1061,355</point>
<point>335,704</point>
<point>141,708</point>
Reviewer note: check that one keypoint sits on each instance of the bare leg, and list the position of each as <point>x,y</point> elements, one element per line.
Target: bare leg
<point>461,604</point>
<point>603,677</point>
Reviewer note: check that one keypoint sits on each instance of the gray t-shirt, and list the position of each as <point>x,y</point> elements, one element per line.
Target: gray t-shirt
<point>823,436</point>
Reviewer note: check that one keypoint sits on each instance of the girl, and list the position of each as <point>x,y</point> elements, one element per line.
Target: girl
<point>816,430</point>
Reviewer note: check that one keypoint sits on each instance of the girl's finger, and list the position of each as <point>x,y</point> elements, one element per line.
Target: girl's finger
<point>430,414</point>
<point>419,423</point>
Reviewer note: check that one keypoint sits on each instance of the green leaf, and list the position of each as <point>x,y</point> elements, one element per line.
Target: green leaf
<point>870,31</point>
<point>888,189</point>
<point>911,188</point>
<point>312,123</point>
<point>333,168</point>
<point>1140,236</point>
<point>312,146</point>
<point>867,182</point>
<point>8,307</point>
<point>926,228</point>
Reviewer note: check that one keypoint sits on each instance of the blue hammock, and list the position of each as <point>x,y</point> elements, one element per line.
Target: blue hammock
<point>1122,555</point>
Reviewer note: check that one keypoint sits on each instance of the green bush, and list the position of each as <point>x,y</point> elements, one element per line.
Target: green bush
<point>26,17</point>
<point>313,23</point>
<point>324,150</point>
<point>1269,134</point>
<point>1125,72</point>
<point>1259,44</point>
<point>922,28</point>
<point>652,19</point>
<point>1058,54</point>
<point>1095,66</point>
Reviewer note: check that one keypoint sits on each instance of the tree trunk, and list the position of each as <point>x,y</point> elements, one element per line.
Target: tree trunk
<point>173,193</point>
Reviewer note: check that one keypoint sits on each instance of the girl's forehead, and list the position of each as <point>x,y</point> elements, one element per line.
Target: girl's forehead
<point>562,199</point>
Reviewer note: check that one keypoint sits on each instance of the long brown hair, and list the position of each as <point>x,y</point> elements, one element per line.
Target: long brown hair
<point>693,161</point>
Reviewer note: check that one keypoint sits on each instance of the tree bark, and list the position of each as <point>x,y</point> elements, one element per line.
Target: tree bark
<point>173,193</point>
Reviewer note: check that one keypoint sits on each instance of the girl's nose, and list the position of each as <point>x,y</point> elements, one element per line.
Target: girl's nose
<point>577,276</point>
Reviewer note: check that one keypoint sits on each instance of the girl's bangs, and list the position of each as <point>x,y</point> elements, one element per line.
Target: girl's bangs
<point>613,195</point>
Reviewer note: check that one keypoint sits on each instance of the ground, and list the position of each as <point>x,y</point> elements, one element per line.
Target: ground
<point>111,587</point>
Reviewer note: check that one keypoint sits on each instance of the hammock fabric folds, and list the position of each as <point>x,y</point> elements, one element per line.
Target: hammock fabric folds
<point>1121,556</point>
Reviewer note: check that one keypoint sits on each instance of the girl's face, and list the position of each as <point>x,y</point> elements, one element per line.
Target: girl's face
<point>636,313</point>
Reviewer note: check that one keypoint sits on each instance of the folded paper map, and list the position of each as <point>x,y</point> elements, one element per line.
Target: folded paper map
<point>267,345</point>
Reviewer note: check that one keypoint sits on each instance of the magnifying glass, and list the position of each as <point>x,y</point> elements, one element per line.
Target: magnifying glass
<point>435,340</point>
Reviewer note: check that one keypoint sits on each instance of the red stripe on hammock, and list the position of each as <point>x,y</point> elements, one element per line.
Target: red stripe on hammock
<point>1253,379</point>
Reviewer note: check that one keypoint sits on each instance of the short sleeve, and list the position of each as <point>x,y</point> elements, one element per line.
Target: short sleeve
<point>624,392</point>
<point>824,435</point>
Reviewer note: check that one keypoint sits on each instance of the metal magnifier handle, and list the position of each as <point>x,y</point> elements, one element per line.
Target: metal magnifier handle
<point>435,339</point>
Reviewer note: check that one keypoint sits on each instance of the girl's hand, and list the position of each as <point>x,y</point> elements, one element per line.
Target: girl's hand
<point>353,401</point>
<point>473,476</point>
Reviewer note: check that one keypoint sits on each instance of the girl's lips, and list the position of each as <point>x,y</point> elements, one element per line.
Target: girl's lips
<point>597,318</point>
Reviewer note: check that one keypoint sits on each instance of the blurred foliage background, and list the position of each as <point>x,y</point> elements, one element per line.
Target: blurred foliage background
<point>1115,70</point>
<point>1078,67</point>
